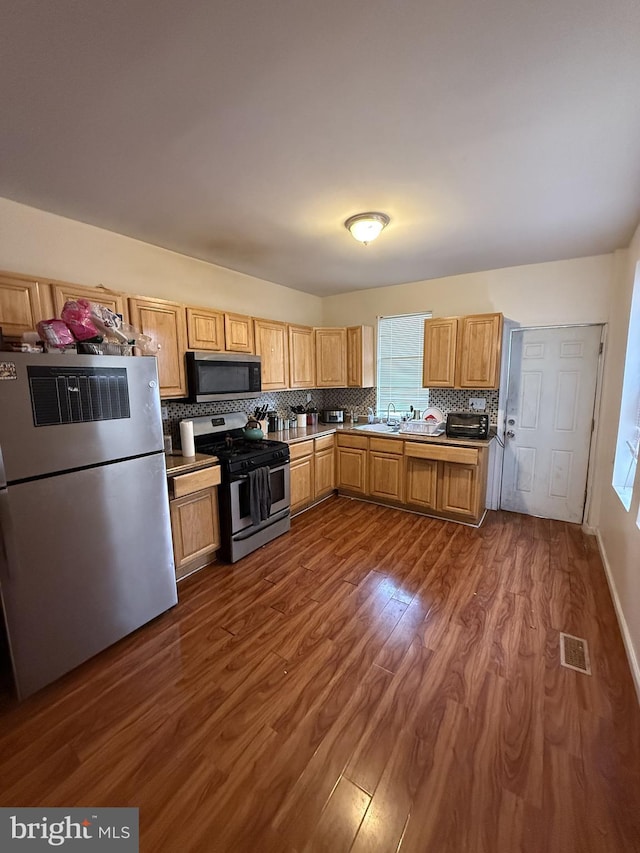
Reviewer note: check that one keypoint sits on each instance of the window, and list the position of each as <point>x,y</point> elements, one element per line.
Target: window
<point>400,346</point>
<point>626,461</point>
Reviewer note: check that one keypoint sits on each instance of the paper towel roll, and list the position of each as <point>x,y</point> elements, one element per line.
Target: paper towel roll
<point>186,438</point>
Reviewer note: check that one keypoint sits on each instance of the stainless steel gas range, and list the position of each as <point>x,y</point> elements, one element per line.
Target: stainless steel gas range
<point>254,494</point>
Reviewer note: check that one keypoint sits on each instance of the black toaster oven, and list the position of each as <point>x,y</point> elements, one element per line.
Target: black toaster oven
<point>467,425</point>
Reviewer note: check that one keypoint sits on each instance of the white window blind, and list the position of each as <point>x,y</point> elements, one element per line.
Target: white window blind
<point>400,346</point>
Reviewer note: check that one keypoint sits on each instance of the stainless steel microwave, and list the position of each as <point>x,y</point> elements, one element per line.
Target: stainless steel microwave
<point>223,376</point>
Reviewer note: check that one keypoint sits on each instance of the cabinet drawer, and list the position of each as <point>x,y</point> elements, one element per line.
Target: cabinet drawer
<point>359,441</point>
<point>325,442</point>
<point>301,448</point>
<point>194,481</point>
<point>443,453</point>
<point>387,445</point>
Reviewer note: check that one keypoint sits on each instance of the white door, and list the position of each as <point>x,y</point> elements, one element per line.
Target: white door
<point>549,416</point>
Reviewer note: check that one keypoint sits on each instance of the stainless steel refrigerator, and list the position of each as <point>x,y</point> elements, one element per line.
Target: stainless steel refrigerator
<point>85,536</point>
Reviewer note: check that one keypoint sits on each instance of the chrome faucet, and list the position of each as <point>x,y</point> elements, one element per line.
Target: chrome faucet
<point>395,420</point>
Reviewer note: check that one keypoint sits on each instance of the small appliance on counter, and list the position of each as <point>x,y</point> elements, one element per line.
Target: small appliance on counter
<point>467,425</point>
<point>332,416</point>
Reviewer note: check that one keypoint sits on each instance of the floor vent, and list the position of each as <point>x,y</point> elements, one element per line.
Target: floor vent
<point>574,653</point>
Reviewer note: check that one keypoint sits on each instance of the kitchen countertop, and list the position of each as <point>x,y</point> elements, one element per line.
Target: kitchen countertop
<point>178,464</point>
<point>291,436</point>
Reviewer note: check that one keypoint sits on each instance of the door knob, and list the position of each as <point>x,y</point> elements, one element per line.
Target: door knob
<point>510,433</point>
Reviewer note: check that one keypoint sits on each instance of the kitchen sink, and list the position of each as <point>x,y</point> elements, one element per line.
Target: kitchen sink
<point>377,427</point>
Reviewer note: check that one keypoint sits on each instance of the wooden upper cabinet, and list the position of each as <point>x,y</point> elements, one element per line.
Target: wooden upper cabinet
<point>302,357</point>
<point>112,299</point>
<point>238,333</point>
<point>479,348</point>
<point>331,358</point>
<point>272,343</point>
<point>439,362</point>
<point>360,358</point>
<point>20,305</point>
<point>164,322</point>
<point>462,352</point>
<point>205,329</point>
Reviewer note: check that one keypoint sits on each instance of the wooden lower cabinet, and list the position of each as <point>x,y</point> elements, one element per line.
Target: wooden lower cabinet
<point>195,523</point>
<point>447,480</point>
<point>386,476</point>
<point>439,479</point>
<point>422,483</point>
<point>386,469</point>
<point>324,463</point>
<point>196,528</point>
<point>301,475</point>
<point>302,480</point>
<point>459,491</point>
<point>312,472</point>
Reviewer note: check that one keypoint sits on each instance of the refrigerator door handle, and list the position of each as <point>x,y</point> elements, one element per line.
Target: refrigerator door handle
<point>3,474</point>
<point>7,551</point>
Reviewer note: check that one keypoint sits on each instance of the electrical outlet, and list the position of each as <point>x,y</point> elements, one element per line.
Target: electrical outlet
<point>164,412</point>
<point>477,404</point>
<point>308,398</point>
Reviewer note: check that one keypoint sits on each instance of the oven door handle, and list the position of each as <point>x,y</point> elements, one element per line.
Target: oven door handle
<point>251,531</point>
<point>246,476</point>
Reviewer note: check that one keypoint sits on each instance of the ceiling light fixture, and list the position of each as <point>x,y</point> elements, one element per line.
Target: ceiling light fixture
<point>365,227</point>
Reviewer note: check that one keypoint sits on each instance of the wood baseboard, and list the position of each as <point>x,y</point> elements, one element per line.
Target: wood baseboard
<point>634,665</point>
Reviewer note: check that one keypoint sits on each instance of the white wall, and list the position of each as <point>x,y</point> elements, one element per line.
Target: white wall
<point>574,291</point>
<point>618,535</point>
<point>44,245</point>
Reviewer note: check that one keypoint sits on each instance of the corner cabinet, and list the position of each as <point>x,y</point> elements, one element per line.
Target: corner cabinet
<point>331,358</point>
<point>462,352</point>
<point>165,323</point>
<point>20,305</point>
<point>272,344</point>
<point>312,471</point>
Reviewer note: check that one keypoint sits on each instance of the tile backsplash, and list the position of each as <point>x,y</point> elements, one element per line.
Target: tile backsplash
<point>358,399</point>
<point>278,401</point>
<point>457,400</point>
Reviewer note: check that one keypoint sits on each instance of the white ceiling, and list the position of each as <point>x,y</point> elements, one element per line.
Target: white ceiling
<point>245,132</point>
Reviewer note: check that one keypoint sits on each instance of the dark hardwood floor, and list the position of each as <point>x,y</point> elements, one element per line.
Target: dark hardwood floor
<point>373,681</point>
